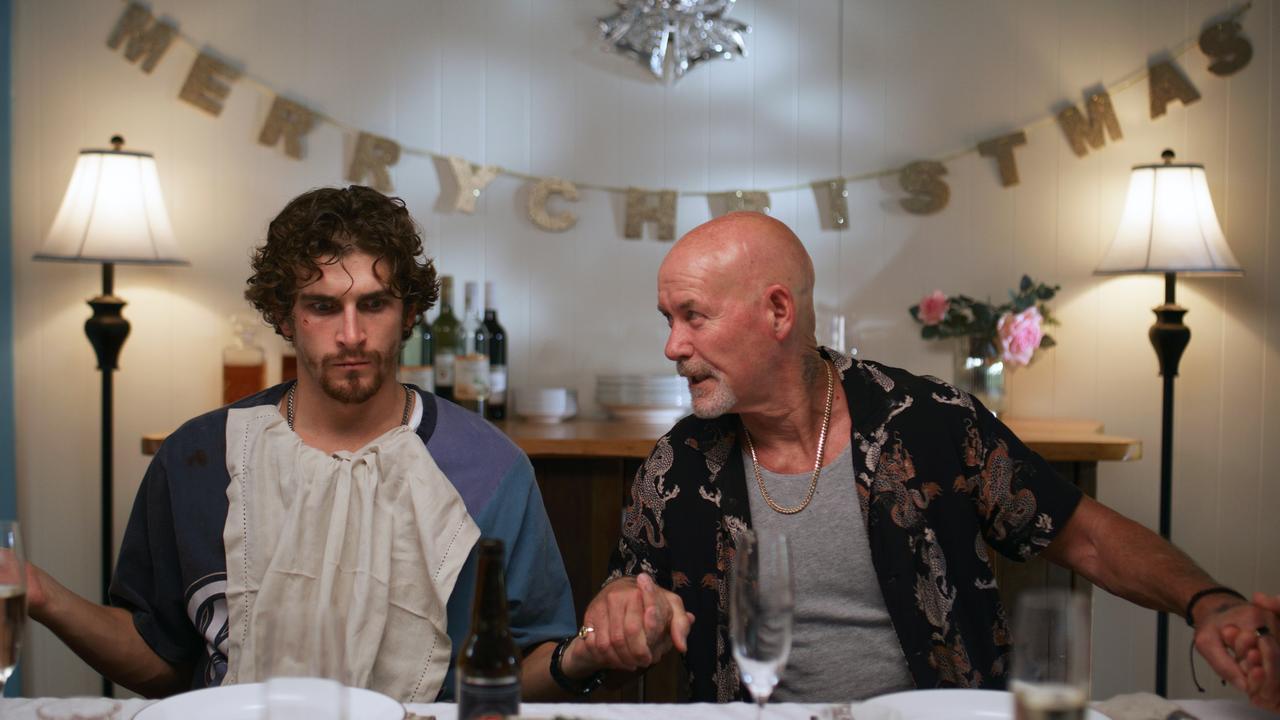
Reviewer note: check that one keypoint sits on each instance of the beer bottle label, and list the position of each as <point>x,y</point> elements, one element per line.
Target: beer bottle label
<point>484,701</point>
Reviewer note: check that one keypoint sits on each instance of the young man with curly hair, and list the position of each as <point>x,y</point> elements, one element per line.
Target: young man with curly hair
<point>328,525</point>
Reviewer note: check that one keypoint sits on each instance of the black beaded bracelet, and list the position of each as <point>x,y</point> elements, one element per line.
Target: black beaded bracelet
<point>573,687</point>
<point>1215,590</point>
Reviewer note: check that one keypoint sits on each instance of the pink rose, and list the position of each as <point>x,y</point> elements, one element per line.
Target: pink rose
<point>1020,335</point>
<point>933,308</point>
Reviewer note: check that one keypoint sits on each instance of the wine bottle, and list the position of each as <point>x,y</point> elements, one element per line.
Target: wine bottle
<point>428,342</point>
<point>488,673</point>
<point>288,364</point>
<point>471,369</point>
<point>447,336</point>
<point>411,353</point>
<point>244,363</point>
<point>415,366</point>
<point>497,341</point>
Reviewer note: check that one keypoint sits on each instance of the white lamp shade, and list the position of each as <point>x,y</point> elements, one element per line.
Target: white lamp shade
<point>113,212</point>
<point>1169,225</point>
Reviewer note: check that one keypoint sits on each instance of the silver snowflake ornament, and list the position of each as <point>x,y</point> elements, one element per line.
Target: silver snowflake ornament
<point>686,31</point>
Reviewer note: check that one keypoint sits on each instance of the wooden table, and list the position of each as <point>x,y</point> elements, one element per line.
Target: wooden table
<point>31,709</point>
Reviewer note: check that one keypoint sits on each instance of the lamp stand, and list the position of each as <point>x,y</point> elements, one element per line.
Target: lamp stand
<point>1169,336</point>
<point>107,330</point>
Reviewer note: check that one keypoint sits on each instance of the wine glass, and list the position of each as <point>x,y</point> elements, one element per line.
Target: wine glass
<point>13,598</point>
<point>1050,677</point>
<point>301,659</point>
<point>761,609</point>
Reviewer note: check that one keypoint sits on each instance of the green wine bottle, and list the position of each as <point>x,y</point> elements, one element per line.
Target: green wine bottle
<point>447,340</point>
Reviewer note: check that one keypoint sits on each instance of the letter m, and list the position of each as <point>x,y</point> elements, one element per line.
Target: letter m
<point>145,37</point>
<point>1082,134</point>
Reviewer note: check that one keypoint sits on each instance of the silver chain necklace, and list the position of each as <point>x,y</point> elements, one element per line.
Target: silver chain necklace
<point>404,419</point>
<point>817,463</point>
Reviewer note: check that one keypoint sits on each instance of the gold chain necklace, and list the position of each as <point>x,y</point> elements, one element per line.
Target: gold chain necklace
<point>817,463</point>
<point>404,418</point>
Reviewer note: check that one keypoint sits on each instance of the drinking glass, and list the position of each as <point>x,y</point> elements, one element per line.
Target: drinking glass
<point>761,608</point>
<point>13,598</point>
<point>303,664</point>
<point>305,698</point>
<point>1050,678</point>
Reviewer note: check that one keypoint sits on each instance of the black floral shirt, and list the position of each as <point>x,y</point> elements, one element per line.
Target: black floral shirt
<point>940,480</point>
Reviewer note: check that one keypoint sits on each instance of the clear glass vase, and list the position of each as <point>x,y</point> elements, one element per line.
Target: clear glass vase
<point>979,370</point>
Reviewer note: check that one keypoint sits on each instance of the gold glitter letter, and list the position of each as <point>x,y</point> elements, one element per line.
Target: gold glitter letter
<point>923,179</point>
<point>1102,122</point>
<point>644,206</point>
<point>373,156</point>
<point>1167,83</point>
<point>832,197</point>
<point>288,119</point>
<point>1001,149</point>
<point>142,41</point>
<point>742,200</point>
<point>538,195</point>
<point>204,88</point>
<point>1230,50</point>
<point>471,179</point>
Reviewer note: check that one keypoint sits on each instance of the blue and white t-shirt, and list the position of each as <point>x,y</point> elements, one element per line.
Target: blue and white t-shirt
<point>171,572</point>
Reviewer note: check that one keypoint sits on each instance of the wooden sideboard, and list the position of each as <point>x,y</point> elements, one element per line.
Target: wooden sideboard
<point>584,467</point>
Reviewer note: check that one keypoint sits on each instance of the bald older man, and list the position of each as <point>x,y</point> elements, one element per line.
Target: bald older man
<point>890,487</point>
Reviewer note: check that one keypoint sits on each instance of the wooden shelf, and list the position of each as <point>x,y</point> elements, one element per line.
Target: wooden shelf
<point>1056,440</point>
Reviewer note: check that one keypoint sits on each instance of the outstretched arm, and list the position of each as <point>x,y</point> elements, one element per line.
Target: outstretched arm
<point>104,637</point>
<point>1128,560</point>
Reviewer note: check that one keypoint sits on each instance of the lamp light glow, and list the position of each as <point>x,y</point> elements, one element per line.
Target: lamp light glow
<point>113,212</point>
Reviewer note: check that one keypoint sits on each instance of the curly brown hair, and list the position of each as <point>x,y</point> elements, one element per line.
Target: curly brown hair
<point>318,228</point>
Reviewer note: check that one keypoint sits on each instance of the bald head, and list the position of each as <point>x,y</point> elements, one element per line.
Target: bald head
<point>743,254</point>
<point>737,294</point>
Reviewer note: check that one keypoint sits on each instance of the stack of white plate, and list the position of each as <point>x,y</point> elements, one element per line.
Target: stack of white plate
<point>661,399</point>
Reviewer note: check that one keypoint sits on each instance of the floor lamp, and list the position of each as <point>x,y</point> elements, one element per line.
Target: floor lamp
<point>1169,227</point>
<point>113,212</point>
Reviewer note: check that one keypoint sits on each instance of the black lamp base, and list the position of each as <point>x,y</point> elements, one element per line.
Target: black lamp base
<point>1169,336</point>
<point>107,330</point>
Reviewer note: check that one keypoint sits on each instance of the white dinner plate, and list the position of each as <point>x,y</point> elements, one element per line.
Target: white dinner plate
<point>246,702</point>
<point>955,705</point>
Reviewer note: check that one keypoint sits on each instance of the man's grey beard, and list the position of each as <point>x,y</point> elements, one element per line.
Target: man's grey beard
<point>715,403</point>
<point>719,402</point>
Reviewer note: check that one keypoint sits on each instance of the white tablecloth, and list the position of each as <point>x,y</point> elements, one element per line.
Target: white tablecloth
<point>26,709</point>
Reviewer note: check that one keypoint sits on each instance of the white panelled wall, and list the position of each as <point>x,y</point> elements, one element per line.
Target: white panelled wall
<point>828,89</point>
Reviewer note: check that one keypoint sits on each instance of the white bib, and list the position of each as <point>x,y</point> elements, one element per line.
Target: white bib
<point>340,565</point>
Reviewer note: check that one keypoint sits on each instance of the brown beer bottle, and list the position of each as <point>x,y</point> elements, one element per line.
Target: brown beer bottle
<point>489,665</point>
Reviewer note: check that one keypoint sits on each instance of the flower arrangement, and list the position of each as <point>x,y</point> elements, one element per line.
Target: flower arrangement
<point>1014,329</point>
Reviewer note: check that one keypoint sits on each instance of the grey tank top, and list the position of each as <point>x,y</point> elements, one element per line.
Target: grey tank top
<point>843,646</point>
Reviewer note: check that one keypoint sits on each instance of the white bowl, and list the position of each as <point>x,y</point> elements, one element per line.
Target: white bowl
<point>545,405</point>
